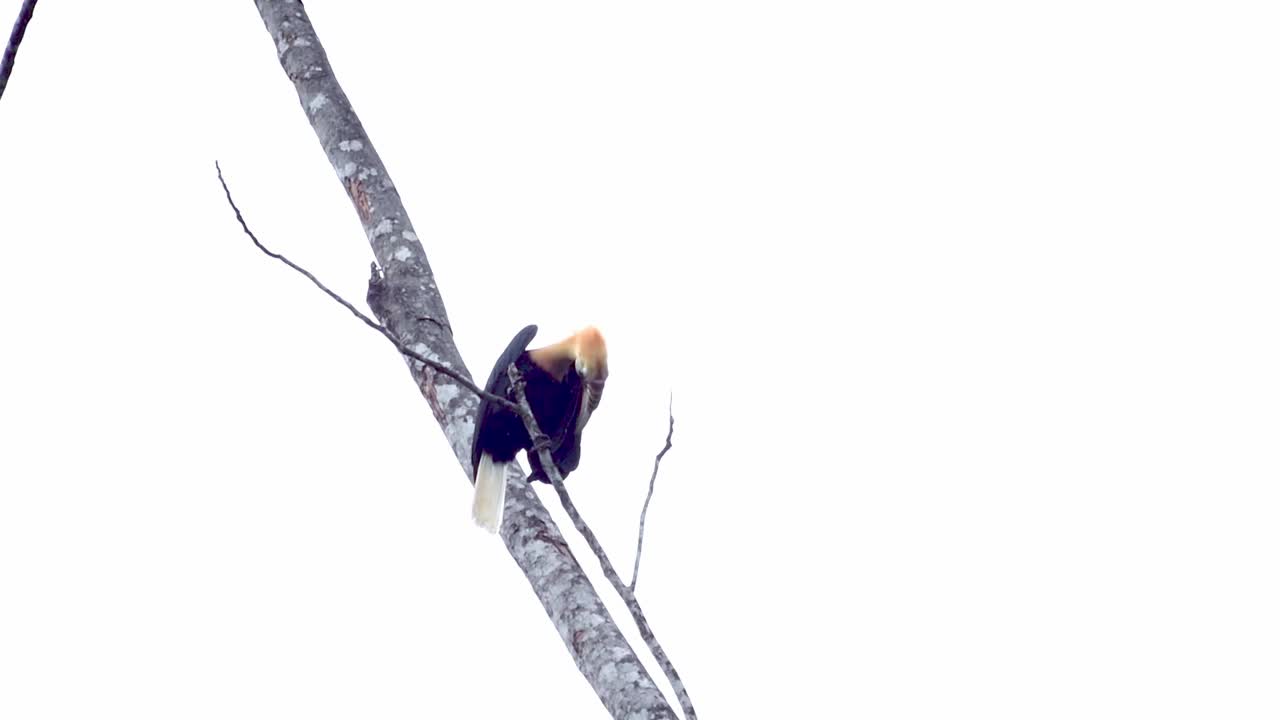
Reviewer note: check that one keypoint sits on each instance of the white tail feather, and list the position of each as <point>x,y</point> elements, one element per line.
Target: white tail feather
<point>491,493</point>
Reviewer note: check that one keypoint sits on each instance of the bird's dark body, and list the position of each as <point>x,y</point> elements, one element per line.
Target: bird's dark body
<point>556,405</point>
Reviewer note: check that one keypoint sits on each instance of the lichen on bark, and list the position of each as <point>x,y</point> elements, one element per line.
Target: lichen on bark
<point>405,298</point>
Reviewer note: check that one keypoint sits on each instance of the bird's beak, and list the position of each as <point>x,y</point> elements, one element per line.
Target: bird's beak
<point>592,372</point>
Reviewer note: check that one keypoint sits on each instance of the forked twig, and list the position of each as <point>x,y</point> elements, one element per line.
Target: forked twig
<point>521,408</point>
<point>628,597</point>
<point>411,306</point>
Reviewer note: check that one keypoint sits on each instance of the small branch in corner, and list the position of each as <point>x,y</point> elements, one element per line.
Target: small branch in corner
<point>15,39</point>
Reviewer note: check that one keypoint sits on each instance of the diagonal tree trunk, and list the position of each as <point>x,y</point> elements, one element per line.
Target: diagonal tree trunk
<point>404,296</point>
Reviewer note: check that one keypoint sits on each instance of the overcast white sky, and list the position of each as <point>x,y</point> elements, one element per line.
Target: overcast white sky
<point>969,311</point>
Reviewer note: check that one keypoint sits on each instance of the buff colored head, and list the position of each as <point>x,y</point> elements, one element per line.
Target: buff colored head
<point>590,357</point>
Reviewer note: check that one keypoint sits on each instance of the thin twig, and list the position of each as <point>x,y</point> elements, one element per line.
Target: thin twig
<point>15,39</point>
<point>628,597</point>
<point>591,637</point>
<point>382,329</point>
<point>671,427</point>
<point>522,409</point>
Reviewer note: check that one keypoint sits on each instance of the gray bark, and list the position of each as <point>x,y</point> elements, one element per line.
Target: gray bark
<point>627,595</point>
<point>404,296</point>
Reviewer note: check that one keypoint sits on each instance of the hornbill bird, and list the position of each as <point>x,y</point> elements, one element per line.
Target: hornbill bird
<point>563,383</point>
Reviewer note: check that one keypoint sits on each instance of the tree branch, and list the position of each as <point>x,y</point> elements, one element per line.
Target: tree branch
<point>438,367</point>
<point>15,39</point>
<point>540,441</point>
<point>408,293</point>
<point>553,474</point>
<point>671,428</point>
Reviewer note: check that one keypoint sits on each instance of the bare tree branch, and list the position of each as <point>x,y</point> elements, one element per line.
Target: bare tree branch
<point>461,380</point>
<point>15,39</point>
<point>407,294</point>
<point>671,427</point>
<point>540,441</point>
<point>542,447</point>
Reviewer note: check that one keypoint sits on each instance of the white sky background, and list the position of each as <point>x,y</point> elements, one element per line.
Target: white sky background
<point>969,312</point>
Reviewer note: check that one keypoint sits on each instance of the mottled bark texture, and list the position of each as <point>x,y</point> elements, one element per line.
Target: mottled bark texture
<point>404,296</point>
<point>541,445</point>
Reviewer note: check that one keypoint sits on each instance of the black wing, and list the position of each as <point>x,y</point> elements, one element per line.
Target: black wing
<point>498,383</point>
<point>566,443</point>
